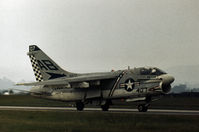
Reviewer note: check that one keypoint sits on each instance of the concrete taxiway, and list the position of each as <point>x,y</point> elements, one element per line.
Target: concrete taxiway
<point>116,110</point>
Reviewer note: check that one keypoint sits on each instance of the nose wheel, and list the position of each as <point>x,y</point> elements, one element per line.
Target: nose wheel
<point>143,107</point>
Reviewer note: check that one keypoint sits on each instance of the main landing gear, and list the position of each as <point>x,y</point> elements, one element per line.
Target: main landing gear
<point>105,106</point>
<point>79,105</point>
<point>143,107</point>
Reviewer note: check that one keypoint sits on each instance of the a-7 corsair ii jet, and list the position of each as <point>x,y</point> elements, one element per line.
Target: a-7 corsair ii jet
<point>138,84</point>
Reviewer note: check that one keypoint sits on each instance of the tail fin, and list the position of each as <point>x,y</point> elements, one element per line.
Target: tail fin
<point>43,66</point>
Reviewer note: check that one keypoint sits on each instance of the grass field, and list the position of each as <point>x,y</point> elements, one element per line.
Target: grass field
<point>51,121</point>
<point>67,121</point>
<point>27,100</point>
<point>189,103</point>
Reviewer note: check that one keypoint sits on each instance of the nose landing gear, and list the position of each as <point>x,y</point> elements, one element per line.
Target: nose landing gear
<point>143,107</point>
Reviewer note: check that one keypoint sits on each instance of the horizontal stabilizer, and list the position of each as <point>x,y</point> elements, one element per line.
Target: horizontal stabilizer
<point>26,91</point>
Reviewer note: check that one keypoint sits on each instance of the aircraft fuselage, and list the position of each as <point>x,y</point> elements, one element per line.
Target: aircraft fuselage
<point>129,84</point>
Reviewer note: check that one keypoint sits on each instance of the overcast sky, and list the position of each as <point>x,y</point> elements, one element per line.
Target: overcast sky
<point>98,35</point>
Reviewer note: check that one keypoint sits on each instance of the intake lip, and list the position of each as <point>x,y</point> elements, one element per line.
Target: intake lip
<point>166,79</point>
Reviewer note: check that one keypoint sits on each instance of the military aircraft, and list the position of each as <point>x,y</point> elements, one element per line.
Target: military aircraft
<point>137,84</point>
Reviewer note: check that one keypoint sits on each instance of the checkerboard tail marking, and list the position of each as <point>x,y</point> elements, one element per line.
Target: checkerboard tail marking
<point>36,68</point>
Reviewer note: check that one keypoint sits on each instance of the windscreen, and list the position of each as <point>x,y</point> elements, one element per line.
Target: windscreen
<point>151,71</point>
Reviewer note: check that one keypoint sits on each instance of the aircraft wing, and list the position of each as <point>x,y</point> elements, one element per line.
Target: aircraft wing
<point>78,79</point>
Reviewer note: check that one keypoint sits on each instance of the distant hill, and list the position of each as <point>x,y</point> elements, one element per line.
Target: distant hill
<point>6,83</point>
<point>183,88</point>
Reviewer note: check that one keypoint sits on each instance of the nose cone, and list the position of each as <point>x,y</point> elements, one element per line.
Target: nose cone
<point>167,79</point>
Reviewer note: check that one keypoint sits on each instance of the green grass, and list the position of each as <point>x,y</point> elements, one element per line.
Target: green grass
<point>27,100</point>
<point>188,103</point>
<point>52,121</point>
<point>191,103</point>
<point>67,121</point>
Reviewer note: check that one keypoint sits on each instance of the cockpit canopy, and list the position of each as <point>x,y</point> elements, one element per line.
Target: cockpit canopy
<point>151,71</point>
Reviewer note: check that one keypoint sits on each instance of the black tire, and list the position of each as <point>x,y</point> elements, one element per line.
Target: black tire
<point>79,106</point>
<point>105,107</point>
<point>142,108</point>
<point>145,109</point>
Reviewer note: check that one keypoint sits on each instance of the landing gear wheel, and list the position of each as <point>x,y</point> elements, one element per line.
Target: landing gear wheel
<point>105,107</point>
<point>79,105</point>
<point>142,108</point>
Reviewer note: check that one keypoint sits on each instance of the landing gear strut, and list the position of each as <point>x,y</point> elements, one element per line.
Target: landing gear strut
<point>79,105</point>
<point>143,107</point>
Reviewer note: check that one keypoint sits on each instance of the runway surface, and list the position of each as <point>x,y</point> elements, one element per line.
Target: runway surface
<point>116,110</point>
